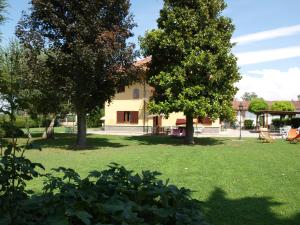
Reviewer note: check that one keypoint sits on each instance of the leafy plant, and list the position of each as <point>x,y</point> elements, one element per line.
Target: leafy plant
<point>113,196</point>
<point>257,105</point>
<point>283,106</point>
<point>94,118</point>
<point>248,124</point>
<point>117,196</point>
<point>295,122</point>
<point>15,171</point>
<point>11,130</point>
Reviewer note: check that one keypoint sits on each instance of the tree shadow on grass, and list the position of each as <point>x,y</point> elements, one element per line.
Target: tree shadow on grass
<point>174,141</point>
<point>67,142</point>
<point>220,210</point>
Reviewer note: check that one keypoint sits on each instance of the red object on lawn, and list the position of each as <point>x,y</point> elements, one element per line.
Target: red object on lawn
<point>295,139</point>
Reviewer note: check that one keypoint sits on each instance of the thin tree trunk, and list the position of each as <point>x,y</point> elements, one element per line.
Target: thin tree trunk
<point>81,128</point>
<point>189,138</point>
<point>49,131</point>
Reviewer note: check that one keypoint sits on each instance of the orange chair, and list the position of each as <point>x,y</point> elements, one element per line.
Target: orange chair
<point>292,134</point>
<point>295,139</point>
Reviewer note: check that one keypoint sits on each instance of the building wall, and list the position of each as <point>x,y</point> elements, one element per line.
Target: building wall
<point>124,101</point>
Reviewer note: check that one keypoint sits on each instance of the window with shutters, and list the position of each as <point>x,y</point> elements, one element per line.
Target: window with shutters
<point>127,117</point>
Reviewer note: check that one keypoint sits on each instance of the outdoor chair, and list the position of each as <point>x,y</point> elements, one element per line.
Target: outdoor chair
<point>295,139</point>
<point>292,134</point>
<point>265,136</point>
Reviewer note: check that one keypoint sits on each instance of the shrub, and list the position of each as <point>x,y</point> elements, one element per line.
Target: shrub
<point>23,122</point>
<point>248,124</point>
<point>277,123</point>
<point>93,120</point>
<point>11,130</point>
<point>283,106</point>
<point>2,133</point>
<point>257,105</point>
<point>113,196</point>
<point>295,122</point>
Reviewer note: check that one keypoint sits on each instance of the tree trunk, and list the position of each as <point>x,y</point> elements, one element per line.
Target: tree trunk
<point>49,131</point>
<point>81,128</point>
<point>189,138</point>
<point>257,122</point>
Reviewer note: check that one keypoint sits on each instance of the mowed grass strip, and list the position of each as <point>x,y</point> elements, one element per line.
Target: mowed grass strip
<point>239,182</point>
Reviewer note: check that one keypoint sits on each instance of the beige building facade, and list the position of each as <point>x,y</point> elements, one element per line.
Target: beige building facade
<point>128,112</point>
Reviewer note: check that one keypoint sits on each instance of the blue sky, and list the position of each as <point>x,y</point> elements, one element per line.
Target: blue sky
<point>267,35</point>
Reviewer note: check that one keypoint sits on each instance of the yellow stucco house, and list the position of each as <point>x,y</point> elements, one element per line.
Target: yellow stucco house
<point>128,112</point>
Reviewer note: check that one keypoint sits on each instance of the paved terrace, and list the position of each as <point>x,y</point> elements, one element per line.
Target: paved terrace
<point>228,133</point>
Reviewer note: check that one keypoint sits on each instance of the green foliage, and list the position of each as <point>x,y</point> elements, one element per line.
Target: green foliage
<point>193,69</point>
<point>113,196</point>
<point>277,122</point>
<point>93,119</point>
<point>88,55</point>
<point>15,171</point>
<point>24,122</point>
<point>295,122</point>
<point>248,96</point>
<point>2,133</point>
<point>12,68</point>
<point>283,106</point>
<point>3,5</point>
<point>117,196</point>
<point>11,130</point>
<point>248,124</point>
<point>257,105</point>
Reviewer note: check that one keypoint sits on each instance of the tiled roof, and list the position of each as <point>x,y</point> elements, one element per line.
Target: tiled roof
<point>246,104</point>
<point>143,62</point>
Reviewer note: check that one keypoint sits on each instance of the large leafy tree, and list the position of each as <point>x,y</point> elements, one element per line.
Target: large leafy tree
<point>192,68</point>
<point>248,96</point>
<point>87,49</point>
<point>12,67</point>
<point>40,96</point>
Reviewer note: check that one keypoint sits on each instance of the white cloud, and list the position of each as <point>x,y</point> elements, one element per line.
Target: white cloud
<point>266,35</point>
<point>272,84</point>
<point>255,57</point>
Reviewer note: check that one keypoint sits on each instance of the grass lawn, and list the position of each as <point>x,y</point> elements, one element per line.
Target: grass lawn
<point>239,182</point>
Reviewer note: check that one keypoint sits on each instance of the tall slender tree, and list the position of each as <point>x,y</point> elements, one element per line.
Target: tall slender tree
<point>12,66</point>
<point>192,69</point>
<point>90,57</point>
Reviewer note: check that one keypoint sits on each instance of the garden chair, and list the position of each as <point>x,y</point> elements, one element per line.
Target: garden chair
<point>292,134</point>
<point>265,137</point>
<point>295,139</point>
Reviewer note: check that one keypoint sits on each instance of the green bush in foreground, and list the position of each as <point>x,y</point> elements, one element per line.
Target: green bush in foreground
<point>113,196</point>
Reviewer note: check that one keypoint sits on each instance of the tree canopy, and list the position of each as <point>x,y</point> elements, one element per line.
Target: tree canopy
<point>248,96</point>
<point>257,105</point>
<point>283,106</point>
<point>86,46</point>
<point>12,68</point>
<point>193,69</point>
